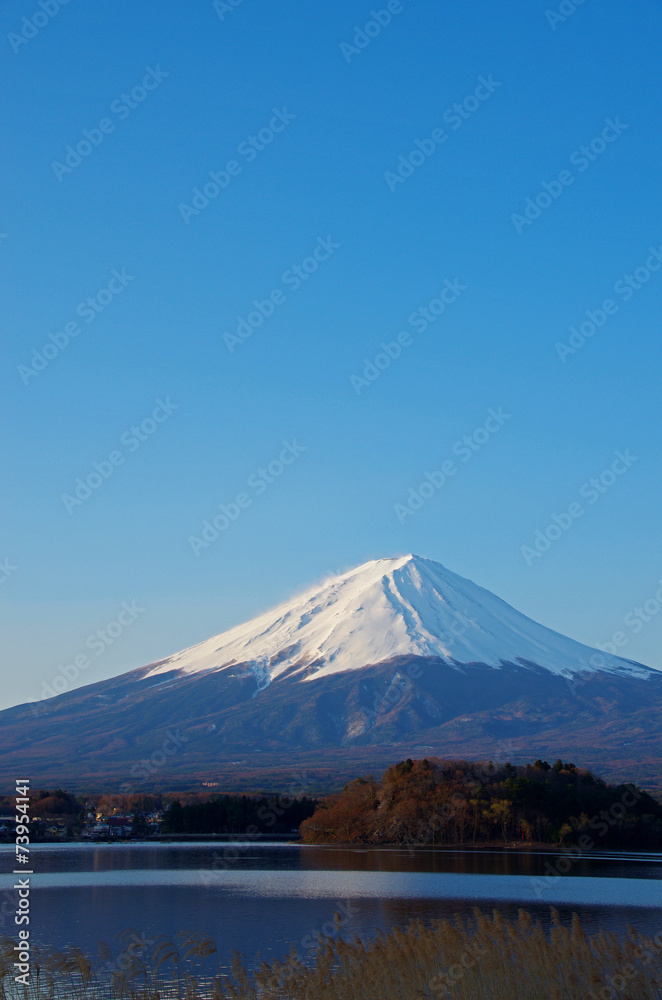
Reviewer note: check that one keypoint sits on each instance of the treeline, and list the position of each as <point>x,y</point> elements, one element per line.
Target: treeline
<point>45,803</point>
<point>62,803</point>
<point>456,802</point>
<point>72,813</point>
<point>50,806</point>
<point>238,814</point>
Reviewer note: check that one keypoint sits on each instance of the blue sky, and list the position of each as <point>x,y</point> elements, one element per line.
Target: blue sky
<point>357,153</point>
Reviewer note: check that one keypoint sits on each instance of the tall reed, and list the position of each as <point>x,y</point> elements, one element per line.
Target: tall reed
<point>485,958</point>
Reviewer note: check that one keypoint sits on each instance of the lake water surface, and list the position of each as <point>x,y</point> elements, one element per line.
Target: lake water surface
<point>265,897</point>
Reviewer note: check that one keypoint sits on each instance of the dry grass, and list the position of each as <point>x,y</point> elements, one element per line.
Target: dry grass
<point>487,958</point>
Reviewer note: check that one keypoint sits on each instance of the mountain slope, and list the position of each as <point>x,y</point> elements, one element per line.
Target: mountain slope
<point>407,606</point>
<point>395,657</point>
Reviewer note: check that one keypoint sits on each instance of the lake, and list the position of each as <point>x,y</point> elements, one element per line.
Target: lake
<point>265,897</point>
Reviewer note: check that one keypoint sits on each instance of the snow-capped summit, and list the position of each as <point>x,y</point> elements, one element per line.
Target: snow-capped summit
<point>387,608</point>
<point>395,657</point>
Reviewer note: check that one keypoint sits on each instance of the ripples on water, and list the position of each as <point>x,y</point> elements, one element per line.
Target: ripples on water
<point>266,897</point>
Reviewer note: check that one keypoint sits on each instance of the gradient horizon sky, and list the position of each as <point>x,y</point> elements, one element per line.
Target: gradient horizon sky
<point>349,117</point>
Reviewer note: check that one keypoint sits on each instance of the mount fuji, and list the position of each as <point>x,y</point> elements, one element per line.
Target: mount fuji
<point>387,608</point>
<point>397,657</point>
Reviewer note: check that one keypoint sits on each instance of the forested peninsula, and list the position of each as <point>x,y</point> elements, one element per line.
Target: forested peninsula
<point>456,802</point>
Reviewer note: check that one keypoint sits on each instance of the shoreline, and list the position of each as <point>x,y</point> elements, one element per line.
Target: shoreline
<point>511,847</point>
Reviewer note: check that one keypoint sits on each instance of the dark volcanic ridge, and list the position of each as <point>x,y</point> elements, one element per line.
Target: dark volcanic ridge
<point>395,655</point>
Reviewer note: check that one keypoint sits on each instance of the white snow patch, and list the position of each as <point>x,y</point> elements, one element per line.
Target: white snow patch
<point>386,608</point>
